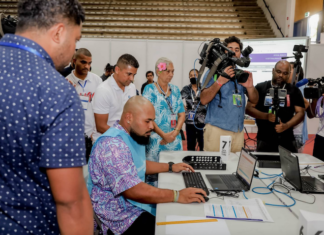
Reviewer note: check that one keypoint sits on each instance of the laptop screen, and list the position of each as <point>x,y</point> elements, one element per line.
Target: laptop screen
<point>246,166</point>
<point>290,167</point>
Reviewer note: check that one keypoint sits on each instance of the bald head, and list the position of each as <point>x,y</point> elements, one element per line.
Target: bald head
<point>137,104</point>
<point>283,63</point>
<point>280,73</point>
<point>138,119</point>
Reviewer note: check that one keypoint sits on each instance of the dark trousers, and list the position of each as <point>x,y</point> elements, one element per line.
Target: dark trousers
<point>268,146</point>
<point>88,144</point>
<point>143,225</point>
<point>318,147</point>
<point>194,135</point>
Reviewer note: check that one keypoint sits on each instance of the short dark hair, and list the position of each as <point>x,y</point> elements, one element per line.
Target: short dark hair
<point>193,70</point>
<point>233,39</point>
<point>127,59</point>
<point>301,72</point>
<point>82,51</point>
<point>148,72</point>
<point>43,14</point>
<point>109,67</point>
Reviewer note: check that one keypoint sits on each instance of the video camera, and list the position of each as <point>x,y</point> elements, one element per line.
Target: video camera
<point>314,89</point>
<point>7,25</point>
<point>278,99</point>
<point>214,56</point>
<point>298,49</point>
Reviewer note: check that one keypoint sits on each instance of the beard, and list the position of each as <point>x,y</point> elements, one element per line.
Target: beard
<point>141,140</point>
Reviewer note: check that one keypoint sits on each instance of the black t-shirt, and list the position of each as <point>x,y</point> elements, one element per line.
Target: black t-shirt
<point>143,87</point>
<point>266,129</point>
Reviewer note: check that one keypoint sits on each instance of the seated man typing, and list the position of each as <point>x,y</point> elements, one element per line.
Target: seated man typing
<point>117,168</point>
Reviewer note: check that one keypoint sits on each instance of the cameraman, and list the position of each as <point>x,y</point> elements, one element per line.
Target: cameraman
<point>319,139</point>
<point>226,104</point>
<point>271,135</point>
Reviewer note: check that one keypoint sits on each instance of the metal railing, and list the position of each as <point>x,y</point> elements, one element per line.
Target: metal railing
<point>266,5</point>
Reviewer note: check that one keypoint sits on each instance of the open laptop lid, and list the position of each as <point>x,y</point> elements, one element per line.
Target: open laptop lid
<point>290,168</point>
<point>246,167</point>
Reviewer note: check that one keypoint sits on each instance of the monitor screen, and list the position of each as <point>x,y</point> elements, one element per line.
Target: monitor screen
<point>267,52</point>
<point>246,166</point>
<point>290,167</point>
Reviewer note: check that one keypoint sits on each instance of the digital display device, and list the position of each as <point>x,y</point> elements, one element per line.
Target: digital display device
<point>267,52</point>
<point>245,166</point>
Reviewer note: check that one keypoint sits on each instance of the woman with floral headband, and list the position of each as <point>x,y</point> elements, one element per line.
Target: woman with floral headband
<point>169,114</point>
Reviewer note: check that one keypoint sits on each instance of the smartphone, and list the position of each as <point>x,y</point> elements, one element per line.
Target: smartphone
<point>321,177</point>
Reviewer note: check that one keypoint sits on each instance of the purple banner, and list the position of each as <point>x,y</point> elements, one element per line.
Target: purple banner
<point>267,57</point>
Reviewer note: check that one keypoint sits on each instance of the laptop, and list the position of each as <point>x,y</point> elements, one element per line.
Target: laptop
<point>242,180</point>
<point>291,173</point>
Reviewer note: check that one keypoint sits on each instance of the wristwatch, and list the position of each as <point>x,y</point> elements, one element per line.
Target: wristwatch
<point>170,166</point>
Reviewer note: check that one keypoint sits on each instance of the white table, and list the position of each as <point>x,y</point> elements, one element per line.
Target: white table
<point>284,221</point>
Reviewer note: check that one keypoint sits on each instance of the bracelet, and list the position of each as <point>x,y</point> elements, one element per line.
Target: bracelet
<point>177,130</point>
<point>219,84</point>
<point>178,194</point>
<point>174,195</point>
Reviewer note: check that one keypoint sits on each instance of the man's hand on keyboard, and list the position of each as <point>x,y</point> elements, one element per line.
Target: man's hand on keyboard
<point>181,167</point>
<point>189,195</point>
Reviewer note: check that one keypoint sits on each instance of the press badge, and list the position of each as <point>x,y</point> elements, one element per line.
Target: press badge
<point>84,101</point>
<point>191,116</point>
<point>237,100</point>
<point>268,101</point>
<point>173,120</point>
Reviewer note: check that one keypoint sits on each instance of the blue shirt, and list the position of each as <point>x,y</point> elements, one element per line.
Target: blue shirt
<point>221,112</point>
<point>41,123</point>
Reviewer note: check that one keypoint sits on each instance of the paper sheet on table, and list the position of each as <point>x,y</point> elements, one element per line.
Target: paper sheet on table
<point>210,228</point>
<point>246,210</point>
<point>256,203</point>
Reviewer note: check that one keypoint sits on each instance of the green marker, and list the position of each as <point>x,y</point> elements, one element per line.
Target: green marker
<point>215,77</point>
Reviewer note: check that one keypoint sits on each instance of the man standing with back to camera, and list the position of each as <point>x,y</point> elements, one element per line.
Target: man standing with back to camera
<point>291,112</point>
<point>224,116</point>
<point>42,190</point>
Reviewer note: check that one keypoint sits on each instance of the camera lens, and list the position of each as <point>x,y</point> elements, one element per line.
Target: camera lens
<point>241,76</point>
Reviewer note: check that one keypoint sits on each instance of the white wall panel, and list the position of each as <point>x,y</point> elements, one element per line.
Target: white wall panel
<point>100,50</point>
<point>170,49</point>
<point>136,48</point>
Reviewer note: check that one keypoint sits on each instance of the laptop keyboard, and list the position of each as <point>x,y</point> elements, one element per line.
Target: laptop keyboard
<point>194,180</point>
<point>229,182</point>
<point>307,187</point>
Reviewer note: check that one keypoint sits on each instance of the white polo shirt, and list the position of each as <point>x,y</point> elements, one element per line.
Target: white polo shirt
<point>110,99</point>
<point>86,89</point>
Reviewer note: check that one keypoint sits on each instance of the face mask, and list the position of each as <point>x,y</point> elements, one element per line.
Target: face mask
<point>193,81</point>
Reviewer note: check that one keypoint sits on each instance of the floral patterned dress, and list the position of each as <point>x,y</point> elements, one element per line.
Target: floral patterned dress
<point>163,120</point>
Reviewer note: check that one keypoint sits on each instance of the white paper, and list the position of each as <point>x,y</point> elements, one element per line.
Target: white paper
<point>249,210</point>
<point>255,202</point>
<point>210,228</point>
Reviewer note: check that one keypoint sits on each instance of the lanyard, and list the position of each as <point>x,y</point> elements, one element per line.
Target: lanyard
<point>164,95</point>
<point>192,96</point>
<point>85,83</point>
<point>31,50</point>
